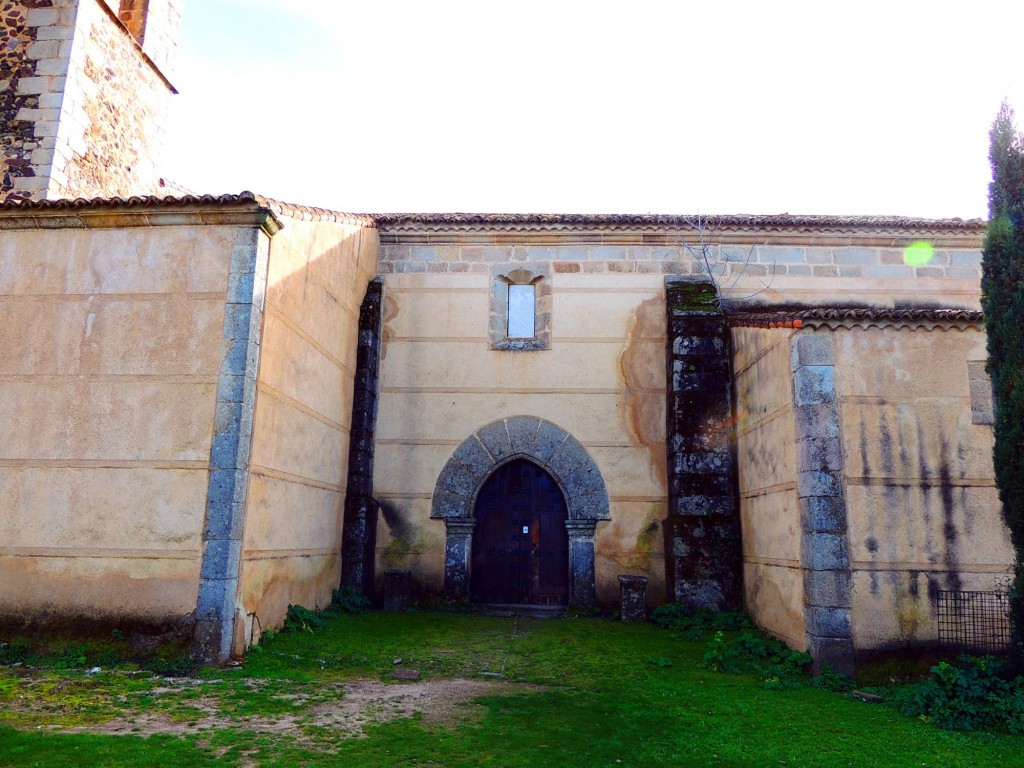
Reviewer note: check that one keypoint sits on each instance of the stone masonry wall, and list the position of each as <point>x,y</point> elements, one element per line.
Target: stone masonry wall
<point>825,551</point>
<point>158,23</point>
<point>27,34</point>
<point>83,107</point>
<point>111,126</point>
<point>728,261</point>
<point>439,383</point>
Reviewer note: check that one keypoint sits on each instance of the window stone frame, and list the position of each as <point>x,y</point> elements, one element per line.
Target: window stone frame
<point>537,274</point>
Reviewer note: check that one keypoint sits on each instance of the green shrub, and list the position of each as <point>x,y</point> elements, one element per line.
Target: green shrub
<point>718,657</point>
<point>302,619</point>
<point>693,623</point>
<point>16,652</point>
<point>976,694</point>
<point>829,679</point>
<point>348,600</point>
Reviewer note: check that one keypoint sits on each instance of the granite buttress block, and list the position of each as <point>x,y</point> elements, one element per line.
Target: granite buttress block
<point>702,532</point>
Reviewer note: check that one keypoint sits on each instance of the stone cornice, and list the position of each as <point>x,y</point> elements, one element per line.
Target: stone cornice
<point>836,318</point>
<point>244,209</point>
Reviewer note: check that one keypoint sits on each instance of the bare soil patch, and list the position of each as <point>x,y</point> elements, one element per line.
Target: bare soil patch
<point>353,706</point>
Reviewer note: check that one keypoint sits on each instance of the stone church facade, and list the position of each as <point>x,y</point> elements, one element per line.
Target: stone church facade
<point>215,406</point>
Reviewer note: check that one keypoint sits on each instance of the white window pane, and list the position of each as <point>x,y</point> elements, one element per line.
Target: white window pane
<point>520,311</point>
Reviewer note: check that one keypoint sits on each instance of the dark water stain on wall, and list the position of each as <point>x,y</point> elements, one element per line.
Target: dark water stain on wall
<point>949,529</point>
<point>400,526</point>
<point>962,466</point>
<point>902,428</point>
<point>872,541</point>
<point>913,588</point>
<point>924,475</point>
<point>890,493</point>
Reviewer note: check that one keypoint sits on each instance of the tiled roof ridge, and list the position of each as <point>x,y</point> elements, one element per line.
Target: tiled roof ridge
<point>508,221</point>
<point>854,316</point>
<point>634,221</point>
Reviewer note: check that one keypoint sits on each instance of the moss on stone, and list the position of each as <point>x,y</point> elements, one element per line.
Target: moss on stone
<point>692,296</point>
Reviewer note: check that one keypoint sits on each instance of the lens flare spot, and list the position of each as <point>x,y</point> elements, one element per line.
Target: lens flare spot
<point>918,254</point>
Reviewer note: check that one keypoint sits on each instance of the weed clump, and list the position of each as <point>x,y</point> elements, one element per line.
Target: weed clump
<point>694,623</point>
<point>753,652</point>
<point>829,679</point>
<point>348,600</point>
<point>169,660</point>
<point>345,600</point>
<point>975,694</point>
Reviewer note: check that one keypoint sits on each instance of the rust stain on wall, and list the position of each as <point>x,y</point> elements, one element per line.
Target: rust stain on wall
<point>390,312</point>
<point>643,376</point>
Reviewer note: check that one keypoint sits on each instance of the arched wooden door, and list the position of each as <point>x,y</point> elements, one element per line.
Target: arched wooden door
<point>520,543</point>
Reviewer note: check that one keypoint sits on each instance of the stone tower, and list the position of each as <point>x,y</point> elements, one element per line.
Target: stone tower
<point>84,89</point>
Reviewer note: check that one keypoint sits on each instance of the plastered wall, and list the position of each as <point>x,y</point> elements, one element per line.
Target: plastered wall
<point>766,468</point>
<point>317,275</point>
<point>111,345</point>
<point>922,505</point>
<point>602,380</point>
<point>441,382</point>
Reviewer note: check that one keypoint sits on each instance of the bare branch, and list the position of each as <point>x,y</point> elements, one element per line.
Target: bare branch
<point>704,255</point>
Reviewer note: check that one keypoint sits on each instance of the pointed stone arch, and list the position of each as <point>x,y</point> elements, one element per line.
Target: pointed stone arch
<point>489,448</point>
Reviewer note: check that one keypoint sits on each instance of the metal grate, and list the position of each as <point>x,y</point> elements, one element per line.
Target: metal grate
<point>977,622</point>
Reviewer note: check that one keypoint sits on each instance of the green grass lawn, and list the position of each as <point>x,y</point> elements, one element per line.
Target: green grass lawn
<point>571,692</point>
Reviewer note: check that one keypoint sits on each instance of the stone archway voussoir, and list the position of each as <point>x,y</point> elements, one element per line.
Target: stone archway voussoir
<point>494,437</point>
<point>545,443</point>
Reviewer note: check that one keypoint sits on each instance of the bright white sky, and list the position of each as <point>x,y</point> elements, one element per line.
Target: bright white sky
<point>717,106</point>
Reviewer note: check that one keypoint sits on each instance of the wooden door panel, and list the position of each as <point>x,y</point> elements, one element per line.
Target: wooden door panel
<point>520,544</point>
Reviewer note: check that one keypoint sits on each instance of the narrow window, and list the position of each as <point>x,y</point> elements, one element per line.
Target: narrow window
<point>520,316</point>
<point>521,303</point>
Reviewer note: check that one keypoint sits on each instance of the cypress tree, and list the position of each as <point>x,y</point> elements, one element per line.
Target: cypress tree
<point>1002,286</point>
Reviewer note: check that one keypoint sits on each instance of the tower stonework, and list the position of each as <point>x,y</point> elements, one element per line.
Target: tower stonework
<point>86,88</point>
